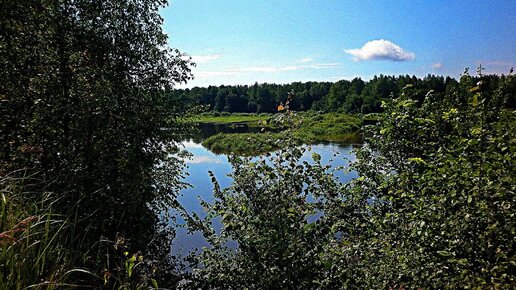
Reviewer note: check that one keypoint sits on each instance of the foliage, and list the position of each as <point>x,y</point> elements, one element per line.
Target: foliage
<point>83,106</point>
<point>433,206</point>
<point>327,127</point>
<point>272,212</point>
<point>128,270</point>
<point>440,180</point>
<point>355,96</point>
<point>283,213</point>
<point>306,128</point>
<point>31,238</point>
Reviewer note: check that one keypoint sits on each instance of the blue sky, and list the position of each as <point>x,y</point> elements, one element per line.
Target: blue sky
<point>282,41</point>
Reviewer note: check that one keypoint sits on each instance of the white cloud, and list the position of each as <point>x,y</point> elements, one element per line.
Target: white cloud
<point>203,159</point>
<point>207,74</point>
<point>263,69</point>
<point>191,144</point>
<point>305,60</point>
<point>437,65</point>
<point>272,69</point>
<point>205,58</point>
<point>380,49</point>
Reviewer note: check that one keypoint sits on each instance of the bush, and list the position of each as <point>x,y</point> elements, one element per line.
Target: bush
<point>269,211</point>
<point>440,178</point>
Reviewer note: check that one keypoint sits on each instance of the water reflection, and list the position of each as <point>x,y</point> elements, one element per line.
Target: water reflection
<point>206,130</point>
<point>202,160</point>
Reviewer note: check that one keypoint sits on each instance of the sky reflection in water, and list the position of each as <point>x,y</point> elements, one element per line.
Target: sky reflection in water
<point>203,160</point>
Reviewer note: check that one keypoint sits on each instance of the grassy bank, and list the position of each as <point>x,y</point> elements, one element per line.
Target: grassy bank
<point>306,128</point>
<point>231,118</point>
<point>312,125</point>
<point>328,127</point>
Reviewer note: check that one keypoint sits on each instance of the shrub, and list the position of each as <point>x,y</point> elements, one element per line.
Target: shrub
<point>440,178</point>
<point>270,213</point>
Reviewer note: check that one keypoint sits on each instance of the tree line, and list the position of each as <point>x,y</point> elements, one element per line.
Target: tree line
<point>355,96</point>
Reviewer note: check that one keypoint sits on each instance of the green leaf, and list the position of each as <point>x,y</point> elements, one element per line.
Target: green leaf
<point>154,283</point>
<point>475,100</point>
<point>417,160</point>
<point>316,157</point>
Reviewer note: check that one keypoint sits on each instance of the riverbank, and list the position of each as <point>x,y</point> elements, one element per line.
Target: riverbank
<point>244,144</point>
<point>225,118</point>
<point>305,128</point>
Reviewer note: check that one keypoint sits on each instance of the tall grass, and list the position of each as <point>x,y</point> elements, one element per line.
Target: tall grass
<point>37,246</point>
<point>32,238</point>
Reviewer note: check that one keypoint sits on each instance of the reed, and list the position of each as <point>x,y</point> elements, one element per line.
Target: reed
<point>32,238</point>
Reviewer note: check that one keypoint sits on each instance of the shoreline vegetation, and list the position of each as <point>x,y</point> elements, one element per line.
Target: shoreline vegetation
<point>306,128</point>
<point>227,118</point>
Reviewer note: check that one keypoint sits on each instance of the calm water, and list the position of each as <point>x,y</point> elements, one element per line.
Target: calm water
<point>203,160</point>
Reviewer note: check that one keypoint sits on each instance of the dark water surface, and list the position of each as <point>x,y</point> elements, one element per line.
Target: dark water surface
<point>209,129</point>
<point>203,160</point>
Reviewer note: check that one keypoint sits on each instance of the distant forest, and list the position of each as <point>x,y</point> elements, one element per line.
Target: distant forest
<point>355,96</point>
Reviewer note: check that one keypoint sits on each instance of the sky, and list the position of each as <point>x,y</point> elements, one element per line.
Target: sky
<point>282,41</point>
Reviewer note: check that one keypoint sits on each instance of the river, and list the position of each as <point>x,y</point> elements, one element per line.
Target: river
<point>203,160</point>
